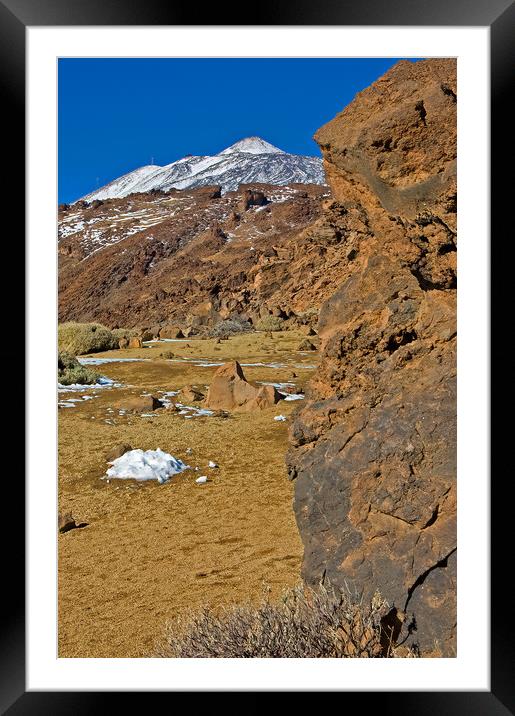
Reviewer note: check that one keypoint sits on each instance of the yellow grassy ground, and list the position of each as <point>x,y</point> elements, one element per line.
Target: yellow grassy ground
<point>151,552</point>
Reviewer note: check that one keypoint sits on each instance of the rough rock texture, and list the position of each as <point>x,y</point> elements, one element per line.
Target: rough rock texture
<point>373,451</point>
<point>140,404</point>
<point>170,332</point>
<point>66,522</point>
<point>117,451</point>
<point>191,394</point>
<point>229,390</point>
<point>185,260</point>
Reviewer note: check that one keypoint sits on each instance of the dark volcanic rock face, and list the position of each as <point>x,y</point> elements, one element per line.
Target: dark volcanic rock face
<point>374,450</point>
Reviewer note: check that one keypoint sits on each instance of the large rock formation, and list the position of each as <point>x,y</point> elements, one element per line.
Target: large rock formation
<point>373,451</point>
<point>229,390</point>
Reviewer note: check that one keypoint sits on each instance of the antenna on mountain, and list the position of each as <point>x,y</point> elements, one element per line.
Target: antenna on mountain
<point>151,160</point>
<point>98,182</point>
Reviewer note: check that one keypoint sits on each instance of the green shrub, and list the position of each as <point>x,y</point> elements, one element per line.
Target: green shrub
<point>270,323</point>
<point>124,333</point>
<point>70,371</point>
<point>304,624</point>
<point>80,338</point>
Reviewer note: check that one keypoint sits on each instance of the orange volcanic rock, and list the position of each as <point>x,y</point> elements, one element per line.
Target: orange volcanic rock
<point>229,390</point>
<point>373,451</point>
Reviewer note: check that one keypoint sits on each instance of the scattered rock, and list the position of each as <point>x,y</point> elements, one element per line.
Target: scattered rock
<point>191,394</point>
<point>170,332</point>
<point>135,342</point>
<point>117,451</point>
<point>141,404</point>
<point>229,390</point>
<point>308,330</point>
<point>201,480</point>
<point>146,335</point>
<point>123,343</point>
<point>306,345</point>
<point>66,522</point>
<point>253,198</point>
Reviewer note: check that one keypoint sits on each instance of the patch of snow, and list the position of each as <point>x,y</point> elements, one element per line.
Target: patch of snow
<point>191,411</point>
<point>103,382</point>
<point>280,418</point>
<point>145,465</point>
<point>101,361</point>
<point>201,480</point>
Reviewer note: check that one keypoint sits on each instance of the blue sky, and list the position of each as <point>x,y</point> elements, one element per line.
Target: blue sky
<point>115,115</point>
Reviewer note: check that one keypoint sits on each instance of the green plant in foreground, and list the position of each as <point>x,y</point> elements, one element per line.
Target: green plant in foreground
<point>70,371</point>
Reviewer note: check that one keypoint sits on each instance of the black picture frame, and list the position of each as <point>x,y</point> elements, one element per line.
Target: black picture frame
<point>499,15</point>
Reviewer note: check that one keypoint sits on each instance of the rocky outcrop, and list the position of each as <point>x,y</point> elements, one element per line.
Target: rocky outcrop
<point>373,452</point>
<point>229,390</point>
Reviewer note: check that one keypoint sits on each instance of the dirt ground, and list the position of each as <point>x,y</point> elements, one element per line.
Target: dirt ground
<point>150,552</point>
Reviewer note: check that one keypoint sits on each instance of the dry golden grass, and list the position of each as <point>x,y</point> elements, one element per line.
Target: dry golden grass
<point>152,552</point>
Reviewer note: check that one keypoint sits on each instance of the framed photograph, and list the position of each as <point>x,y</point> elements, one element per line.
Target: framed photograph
<point>270,427</point>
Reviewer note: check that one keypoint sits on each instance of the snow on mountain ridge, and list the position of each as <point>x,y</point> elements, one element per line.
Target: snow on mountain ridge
<point>252,145</point>
<point>249,160</point>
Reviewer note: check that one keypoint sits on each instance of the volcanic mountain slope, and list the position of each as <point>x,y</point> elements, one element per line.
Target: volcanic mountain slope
<point>373,450</point>
<point>248,161</point>
<point>194,257</point>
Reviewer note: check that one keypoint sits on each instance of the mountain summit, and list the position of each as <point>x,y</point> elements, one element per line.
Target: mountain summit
<point>249,160</point>
<point>252,145</point>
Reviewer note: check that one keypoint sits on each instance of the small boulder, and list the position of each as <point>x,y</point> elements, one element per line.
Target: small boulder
<point>141,404</point>
<point>170,332</point>
<point>253,198</point>
<point>66,522</point>
<point>230,390</point>
<point>306,345</point>
<point>308,330</point>
<point>135,342</point>
<point>146,335</point>
<point>266,397</point>
<point>123,343</point>
<point>191,394</point>
<point>117,451</point>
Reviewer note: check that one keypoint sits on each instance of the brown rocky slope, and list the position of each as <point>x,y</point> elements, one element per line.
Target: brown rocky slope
<point>373,452</point>
<point>195,257</point>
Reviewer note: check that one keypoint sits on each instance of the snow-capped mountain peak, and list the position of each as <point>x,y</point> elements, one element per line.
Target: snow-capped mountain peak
<point>249,160</point>
<point>252,145</point>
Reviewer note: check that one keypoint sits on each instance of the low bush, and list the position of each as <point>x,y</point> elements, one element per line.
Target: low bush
<point>124,333</point>
<point>230,327</point>
<point>70,371</point>
<point>304,624</point>
<point>80,338</point>
<point>270,323</point>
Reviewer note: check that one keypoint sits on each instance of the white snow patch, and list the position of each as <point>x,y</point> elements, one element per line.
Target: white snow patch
<point>146,465</point>
<point>101,361</point>
<point>280,418</point>
<point>103,382</point>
